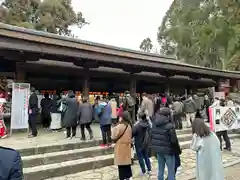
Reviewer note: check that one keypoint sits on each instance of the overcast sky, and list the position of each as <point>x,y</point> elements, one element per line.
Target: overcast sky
<point>123,23</point>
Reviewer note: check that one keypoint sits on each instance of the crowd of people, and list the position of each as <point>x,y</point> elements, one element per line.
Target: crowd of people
<point>152,133</point>
<point>68,110</point>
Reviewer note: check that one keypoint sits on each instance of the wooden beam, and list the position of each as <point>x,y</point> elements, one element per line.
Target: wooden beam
<point>112,60</point>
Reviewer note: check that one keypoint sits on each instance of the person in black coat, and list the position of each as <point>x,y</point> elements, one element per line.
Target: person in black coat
<point>141,133</point>
<point>46,105</point>
<point>164,142</point>
<point>207,104</point>
<point>70,116</point>
<point>56,103</point>
<point>33,111</point>
<point>10,164</point>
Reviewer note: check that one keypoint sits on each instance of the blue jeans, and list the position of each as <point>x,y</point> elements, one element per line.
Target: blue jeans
<point>177,162</point>
<point>142,156</point>
<point>169,160</point>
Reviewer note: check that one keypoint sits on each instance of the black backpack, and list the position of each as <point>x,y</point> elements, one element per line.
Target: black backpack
<point>146,138</point>
<point>128,104</point>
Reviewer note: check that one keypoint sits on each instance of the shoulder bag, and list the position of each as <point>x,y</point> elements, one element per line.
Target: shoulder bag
<point>119,137</point>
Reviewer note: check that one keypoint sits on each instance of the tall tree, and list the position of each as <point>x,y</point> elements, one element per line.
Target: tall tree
<point>202,32</point>
<point>54,16</point>
<point>146,45</point>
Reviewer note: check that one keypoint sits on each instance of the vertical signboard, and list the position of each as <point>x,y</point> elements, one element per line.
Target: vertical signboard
<point>19,113</point>
<point>225,118</point>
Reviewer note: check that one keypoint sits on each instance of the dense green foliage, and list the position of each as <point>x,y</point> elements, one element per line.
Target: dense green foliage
<point>203,32</point>
<point>54,16</point>
<point>146,45</point>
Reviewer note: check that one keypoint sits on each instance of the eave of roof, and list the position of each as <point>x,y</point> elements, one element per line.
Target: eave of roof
<point>112,70</point>
<point>107,48</point>
<point>71,39</point>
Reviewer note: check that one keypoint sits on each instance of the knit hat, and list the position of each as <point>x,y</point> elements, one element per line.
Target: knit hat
<point>126,116</point>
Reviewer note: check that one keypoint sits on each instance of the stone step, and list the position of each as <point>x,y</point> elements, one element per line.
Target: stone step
<point>73,161</point>
<point>184,131</point>
<point>61,156</point>
<point>67,167</point>
<point>73,144</point>
<point>47,148</point>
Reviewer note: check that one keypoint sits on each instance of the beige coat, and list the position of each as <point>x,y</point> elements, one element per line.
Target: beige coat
<point>122,149</point>
<point>113,104</point>
<point>147,106</point>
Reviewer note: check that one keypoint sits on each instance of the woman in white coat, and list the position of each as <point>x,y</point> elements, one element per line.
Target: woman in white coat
<point>209,164</point>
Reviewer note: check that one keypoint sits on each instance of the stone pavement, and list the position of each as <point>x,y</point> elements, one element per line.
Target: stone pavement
<point>233,173</point>
<point>20,140</point>
<point>185,172</point>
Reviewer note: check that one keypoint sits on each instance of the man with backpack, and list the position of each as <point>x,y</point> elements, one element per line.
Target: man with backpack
<point>177,108</point>
<point>129,104</point>
<point>190,109</point>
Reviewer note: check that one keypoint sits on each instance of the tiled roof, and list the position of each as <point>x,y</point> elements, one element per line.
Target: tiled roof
<point>144,55</point>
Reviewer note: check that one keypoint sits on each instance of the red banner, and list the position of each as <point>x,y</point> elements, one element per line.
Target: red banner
<point>211,119</point>
<point>3,130</point>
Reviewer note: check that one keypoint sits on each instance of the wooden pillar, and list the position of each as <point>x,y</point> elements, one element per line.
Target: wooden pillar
<point>85,85</point>
<point>133,92</point>
<point>133,85</point>
<point>20,74</point>
<point>238,85</point>
<point>218,85</point>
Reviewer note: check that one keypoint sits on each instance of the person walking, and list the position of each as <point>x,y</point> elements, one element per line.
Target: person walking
<point>190,109</point>
<point>85,116</point>
<point>206,145</point>
<point>207,104</point>
<point>164,139</point>
<point>33,112</point>
<point>224,134</point>
<point>122,136</point>
<point>169,99</point>
<point>70,115</point>
<point>147,107</point>
<point>177,107</point>
<point>96,108</point>
<point>113,104</point>
<point>129,105</point>
<point>142,138</point>
<point>11,166</point>
<point>105,123</point>
<point>198,106</point>
<point>46,105</point>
